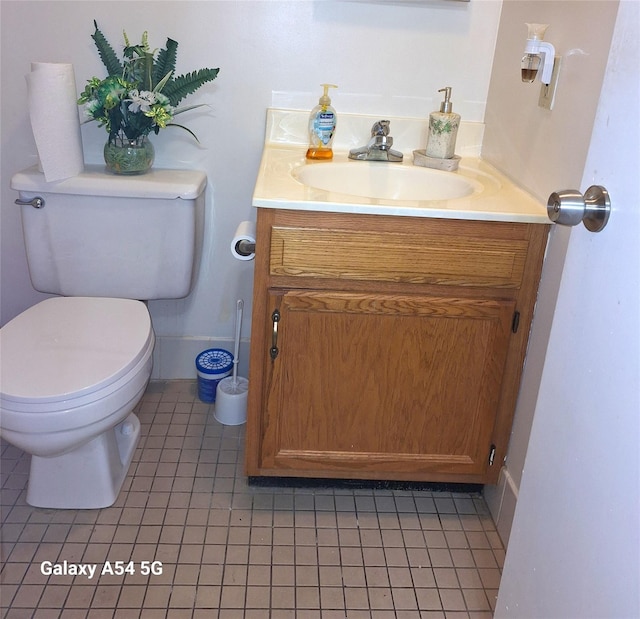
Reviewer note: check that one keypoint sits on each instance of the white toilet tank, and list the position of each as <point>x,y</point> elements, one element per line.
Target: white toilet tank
<point>98,234</point>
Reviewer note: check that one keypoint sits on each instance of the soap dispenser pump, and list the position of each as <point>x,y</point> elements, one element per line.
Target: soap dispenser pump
<point>322,127</point>
<point>443,129</point>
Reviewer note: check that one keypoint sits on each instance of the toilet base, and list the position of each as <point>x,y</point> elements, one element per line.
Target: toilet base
<point>89,477</point>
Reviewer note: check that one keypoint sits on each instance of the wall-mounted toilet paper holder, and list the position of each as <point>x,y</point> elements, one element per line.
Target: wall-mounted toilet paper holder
<point>569,207</point>
<point>243,244</point>
<point>245,247</point>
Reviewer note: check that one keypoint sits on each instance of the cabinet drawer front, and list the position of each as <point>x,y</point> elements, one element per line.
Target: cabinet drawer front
<point>449,259</point>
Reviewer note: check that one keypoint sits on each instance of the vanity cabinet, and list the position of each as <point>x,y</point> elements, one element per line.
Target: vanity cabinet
<point>386,347</point>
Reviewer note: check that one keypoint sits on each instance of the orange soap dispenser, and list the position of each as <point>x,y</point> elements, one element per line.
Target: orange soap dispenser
<point>322,127</point>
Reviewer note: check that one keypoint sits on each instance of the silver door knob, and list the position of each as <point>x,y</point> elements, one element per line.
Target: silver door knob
<point>569,207</point>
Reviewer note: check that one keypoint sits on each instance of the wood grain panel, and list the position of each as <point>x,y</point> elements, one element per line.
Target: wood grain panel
<point>451,259</point>
<point>396,355</point>
<point>372,389</point>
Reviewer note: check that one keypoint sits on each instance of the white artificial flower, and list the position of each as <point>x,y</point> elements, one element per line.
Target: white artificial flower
<point>141,100</point>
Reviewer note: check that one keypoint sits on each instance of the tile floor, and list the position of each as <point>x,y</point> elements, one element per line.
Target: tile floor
<point>217,548</point>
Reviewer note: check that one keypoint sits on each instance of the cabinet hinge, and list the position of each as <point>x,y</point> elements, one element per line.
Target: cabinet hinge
<point>515,323</point>
<point>492,455</point>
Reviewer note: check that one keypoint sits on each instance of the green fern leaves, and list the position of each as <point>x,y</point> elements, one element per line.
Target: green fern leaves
<point>166,61</point>
<point>183,85</point>
<point>154,73</point>
<point>107,55</point>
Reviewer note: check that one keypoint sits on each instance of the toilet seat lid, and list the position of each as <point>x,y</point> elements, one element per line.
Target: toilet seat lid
<point>66,347</point>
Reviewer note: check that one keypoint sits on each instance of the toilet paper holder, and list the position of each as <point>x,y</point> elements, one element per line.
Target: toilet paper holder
<point>245,247</point>
<point>569,207</point>
<point>243,243</point>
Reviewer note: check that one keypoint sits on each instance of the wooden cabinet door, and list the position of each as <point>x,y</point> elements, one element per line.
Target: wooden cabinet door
<point>370,384</point>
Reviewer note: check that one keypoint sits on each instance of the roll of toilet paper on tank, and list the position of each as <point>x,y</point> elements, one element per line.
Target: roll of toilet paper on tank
<point>53,109</point>
<point>246,231</point>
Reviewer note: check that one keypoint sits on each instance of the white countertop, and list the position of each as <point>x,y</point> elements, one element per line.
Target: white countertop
<point>495,199</point>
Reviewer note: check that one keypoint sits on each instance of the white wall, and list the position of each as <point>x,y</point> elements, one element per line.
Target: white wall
<point>544,151</point>
<point>388,59</point>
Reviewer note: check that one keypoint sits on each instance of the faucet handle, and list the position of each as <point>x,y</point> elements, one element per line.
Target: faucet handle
<point>380,128</point>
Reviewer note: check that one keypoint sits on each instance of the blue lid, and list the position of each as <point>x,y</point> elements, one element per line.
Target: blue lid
<point>214,361</point>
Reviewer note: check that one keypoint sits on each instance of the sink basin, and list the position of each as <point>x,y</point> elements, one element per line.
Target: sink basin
<point>385,181</point>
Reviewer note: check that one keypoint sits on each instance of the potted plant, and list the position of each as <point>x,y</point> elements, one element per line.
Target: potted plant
<point>139,96</point>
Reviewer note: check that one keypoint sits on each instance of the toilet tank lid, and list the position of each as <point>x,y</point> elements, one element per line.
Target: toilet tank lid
<point>95,181</point>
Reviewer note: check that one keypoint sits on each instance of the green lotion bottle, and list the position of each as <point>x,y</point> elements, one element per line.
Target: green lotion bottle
<point>443,129</point>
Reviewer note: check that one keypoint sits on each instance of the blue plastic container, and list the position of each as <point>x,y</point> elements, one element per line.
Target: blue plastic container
<point>212,366</point>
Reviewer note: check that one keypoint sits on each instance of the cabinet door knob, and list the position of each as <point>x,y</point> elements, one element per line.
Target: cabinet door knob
<point>569,207</point>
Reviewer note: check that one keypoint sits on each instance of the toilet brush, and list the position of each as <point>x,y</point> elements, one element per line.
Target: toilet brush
<point>232,391</point>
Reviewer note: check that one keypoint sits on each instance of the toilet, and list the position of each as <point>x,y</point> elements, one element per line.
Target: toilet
<point>74,366</point>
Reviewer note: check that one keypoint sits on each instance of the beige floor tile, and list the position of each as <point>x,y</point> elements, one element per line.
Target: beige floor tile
<point>226,550</point>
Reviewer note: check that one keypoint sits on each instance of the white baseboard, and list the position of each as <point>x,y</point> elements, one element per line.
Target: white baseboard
<point>175,357</point>
<point>501,500</point>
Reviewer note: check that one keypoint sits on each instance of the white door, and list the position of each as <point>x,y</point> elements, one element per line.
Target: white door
<point>574,549</point>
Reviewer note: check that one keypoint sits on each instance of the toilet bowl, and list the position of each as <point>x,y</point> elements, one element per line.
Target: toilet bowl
<point>72,369</point>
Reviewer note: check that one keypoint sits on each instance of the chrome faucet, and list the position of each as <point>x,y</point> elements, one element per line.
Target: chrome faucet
<point>379,146</point>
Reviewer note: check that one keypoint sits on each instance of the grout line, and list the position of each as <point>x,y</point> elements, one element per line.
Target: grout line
<point>186,500</point>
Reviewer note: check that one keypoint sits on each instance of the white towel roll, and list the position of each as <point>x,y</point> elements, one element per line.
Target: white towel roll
<point>53,109</point>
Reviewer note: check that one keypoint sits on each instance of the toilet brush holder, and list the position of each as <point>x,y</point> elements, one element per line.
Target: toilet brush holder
<point>231,401</point>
